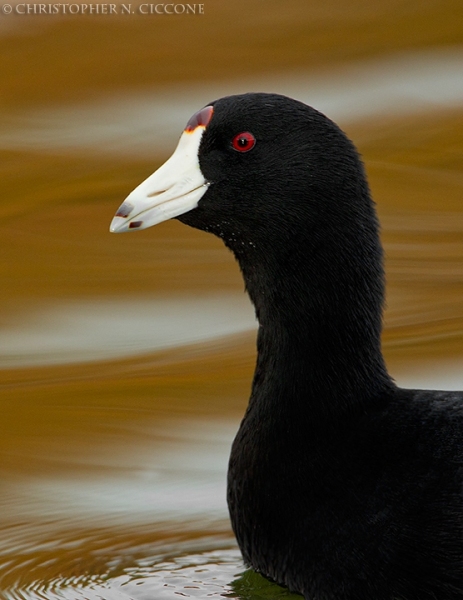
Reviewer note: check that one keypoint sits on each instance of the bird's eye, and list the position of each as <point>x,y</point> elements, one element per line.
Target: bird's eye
<point>243,142</point>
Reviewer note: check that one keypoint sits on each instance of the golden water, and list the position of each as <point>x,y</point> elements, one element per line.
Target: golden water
<point>112,472</point>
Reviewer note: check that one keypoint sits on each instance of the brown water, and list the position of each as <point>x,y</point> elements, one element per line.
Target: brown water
<point>126,361</point>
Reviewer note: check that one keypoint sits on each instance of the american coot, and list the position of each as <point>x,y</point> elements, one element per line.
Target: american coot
<point>341,485</point>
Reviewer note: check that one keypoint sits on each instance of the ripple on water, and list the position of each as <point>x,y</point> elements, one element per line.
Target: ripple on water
<point>213,573</point>
<point>155,527</point>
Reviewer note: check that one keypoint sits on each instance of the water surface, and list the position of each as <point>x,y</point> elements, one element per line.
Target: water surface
<point>126,361</point>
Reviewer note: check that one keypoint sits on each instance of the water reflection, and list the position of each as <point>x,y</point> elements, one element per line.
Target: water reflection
<point>113,470</point>
<point>144,124</point>
<point>103,329</point>
<point>146,524</point>
<point>123,517</point>
<point>108,566</point>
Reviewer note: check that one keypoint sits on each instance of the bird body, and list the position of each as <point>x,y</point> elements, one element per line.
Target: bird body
<point>369,507</point>
<point>341,485</point>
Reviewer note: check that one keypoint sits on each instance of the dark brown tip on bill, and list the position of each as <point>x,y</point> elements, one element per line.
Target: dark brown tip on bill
<point>124,210</point>
<point>200,119</point>
<point>135,224</point>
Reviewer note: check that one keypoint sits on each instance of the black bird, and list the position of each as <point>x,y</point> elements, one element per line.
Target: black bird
<point>341,486</point>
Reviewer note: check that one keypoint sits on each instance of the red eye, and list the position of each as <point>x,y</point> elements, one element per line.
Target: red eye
<point>243,141</point>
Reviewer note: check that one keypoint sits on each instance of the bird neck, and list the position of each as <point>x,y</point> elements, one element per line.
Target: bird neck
<point>319,340</point>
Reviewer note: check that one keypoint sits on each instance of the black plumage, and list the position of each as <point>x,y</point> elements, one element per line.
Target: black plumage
<point>341,485</point>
